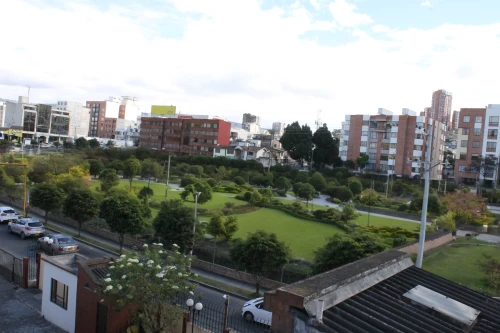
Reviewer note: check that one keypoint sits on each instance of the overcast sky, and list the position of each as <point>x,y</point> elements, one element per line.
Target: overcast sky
<point>281,60</point>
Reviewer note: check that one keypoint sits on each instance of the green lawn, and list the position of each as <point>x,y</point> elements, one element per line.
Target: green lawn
<point>380,221</point>
<point>302,236</point>
<point>458,263</point>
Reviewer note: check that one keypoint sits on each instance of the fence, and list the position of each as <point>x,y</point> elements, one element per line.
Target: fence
<point>11,268</point>
<point>211,318</point>
<point>32,264</point>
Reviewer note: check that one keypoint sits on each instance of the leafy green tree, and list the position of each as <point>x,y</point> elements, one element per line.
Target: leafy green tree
<point>132,168</point>
<point>238,180</point>
<point>174,224</point>
<point>147,282</point>
<point>255,198</point>
<point>221,174</point>
<point>343,193</point>
<point>297,141</point>
<point>261,180</point>
<point>283,184</point>
<point>222,226</point>
<point>108,179</point>
<point>40,170</point>
<point>446,222</point>
<point>327,147</point>
<point>199,186</point>
<point>342,249</point>
<point>196,170</point>
<point>306,191</point>
<point>145,193</point>
<point>123,214</point>
<point>349,164</point>
<point>369,197</point>
<point>94,143</point>
<point>355,185</point>
<point>81,143</point>
<point>348,213</point>
<point>260,254</point>
<point>110,144</point>
<point>81,206</point>
<point>362,161</point>
<point>150,169</point>
<point>96,167</point>
<point>48,197</point>
<point>302,177</point>
<point>318,181</point>
<point>296,187</point>
<point>117,165</point>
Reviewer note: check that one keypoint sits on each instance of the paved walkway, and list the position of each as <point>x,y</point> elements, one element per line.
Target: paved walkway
<point>482,237</point>
<point>19,311</point>
<point>227,280</point>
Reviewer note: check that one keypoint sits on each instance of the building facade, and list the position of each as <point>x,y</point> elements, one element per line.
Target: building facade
<point>2,113</point>
<point>99,111</point>
<point>80,117</point>
<point>184,135</point>
<point>441,107</point>
<point>279,128</point>
<point>454,120</point>
<point>395,144</point>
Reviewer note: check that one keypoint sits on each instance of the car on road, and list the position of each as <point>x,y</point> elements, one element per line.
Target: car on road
<point>253,311</point>
<point>7,214</point>
<point>58,244</point>
<point>26,227</point>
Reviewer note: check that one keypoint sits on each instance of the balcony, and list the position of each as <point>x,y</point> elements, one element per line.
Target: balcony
<point>494,124</point>
<point>492,137</point>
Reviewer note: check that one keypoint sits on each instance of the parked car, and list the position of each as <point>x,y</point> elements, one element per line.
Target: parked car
<point>26,227</point>
<point>7,214</point>
<point>58,244</point>
<point>253,310</point>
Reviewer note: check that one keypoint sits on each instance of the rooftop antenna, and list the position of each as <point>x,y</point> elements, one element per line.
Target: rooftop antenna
<point>318,120</point>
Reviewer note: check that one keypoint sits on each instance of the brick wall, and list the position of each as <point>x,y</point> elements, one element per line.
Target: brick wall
<point>431,242</point>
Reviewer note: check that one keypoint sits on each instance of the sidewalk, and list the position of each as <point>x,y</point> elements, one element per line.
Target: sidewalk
<point>19,311</point>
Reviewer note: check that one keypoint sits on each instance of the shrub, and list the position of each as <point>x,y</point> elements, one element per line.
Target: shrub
<point>211,182</point>
<point>399,240</point>
<point>403,208</point>
<point>188,179</point>
<point>343,193</point>
<point>247,196</point>
<point>238,180</point>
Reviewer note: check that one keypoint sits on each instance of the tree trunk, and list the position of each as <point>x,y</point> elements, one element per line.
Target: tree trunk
<point>130,183</point>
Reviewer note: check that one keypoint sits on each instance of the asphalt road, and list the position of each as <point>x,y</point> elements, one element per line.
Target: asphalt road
<point>19,248</point>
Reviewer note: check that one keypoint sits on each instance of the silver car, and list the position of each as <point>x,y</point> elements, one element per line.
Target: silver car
<point>7,214</point>
<point>58,244</point>
<point>26,227</point>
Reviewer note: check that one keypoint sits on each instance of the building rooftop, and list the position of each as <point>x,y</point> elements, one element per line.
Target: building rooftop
<point>97,268</point>
<point>68,262</point>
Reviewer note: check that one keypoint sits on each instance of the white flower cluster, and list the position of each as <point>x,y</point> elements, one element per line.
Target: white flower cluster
<point>157,244</point>
<point>107,280</point>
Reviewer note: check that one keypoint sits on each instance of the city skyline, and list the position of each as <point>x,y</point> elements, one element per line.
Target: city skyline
<point>342,56</point>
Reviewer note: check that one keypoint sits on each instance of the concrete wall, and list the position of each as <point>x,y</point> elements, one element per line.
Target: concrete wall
<point>63,318</point>
<point>430,243</point>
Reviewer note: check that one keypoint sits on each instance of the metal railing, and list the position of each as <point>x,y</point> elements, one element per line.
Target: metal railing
<point>11,268</point>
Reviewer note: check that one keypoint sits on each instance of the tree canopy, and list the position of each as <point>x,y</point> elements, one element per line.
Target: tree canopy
<point>297,141</point>
<point>327,147</point>
<point>48,197</point>
<point>81,206</point>
<point>108,179</point>
<point>131,168</point>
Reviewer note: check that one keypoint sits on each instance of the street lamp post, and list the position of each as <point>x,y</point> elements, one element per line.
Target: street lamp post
<point>312,157</point>
<point>226,312</point>
<point>196,311</point>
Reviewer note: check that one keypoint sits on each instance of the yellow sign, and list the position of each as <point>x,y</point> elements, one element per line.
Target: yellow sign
<point>17,133</point>
<point>164,110</point>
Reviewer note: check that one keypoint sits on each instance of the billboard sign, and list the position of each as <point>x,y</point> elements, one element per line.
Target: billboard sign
<point>164,110</point>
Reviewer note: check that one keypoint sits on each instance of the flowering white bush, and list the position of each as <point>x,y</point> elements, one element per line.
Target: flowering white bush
<point>149,281</point>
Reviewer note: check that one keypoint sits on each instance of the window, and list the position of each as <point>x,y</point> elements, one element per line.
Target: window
<point>373,135</point>
<point>477,131</point>
<point>366,122</point>
<point>479,119</point>
<point>392,145</point>
<point>463,156</point>
<point>373,145</point>
<point>491,145</point>
<point>364,133</point>
<point>417,147</point>
<point>466,119</point>
<point>494,120</point>
<point>363,143</point>
<point>461,168</point>
<point>492,134</point>
<point>475,144</point>
<point>463,143</point>
<point>59,294</point>
<point>346,132</point>
<point>465,131</point>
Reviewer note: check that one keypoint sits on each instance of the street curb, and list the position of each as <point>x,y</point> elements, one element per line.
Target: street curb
<point>87,243</point>
<point>218,289</point>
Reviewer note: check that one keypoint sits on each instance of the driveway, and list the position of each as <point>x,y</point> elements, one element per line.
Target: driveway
<point>482,237</point>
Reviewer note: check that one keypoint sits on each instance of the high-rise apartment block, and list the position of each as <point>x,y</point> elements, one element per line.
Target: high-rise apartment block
<point>184,134</point>
<point>278,128</point>
<point>454,120</point>
<point>478,145</point>
<point>441,107</point>
<point>395,144</point>
<point>104,115</point>
<point>251,123</point>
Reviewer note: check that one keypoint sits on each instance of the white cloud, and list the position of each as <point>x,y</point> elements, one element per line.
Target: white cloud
<point>236,58</point>
<point>314,3</point>
<point>345,14</point>
<point>426,3</point>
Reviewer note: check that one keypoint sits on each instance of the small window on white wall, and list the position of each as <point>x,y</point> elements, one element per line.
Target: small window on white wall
<point>59,294</point>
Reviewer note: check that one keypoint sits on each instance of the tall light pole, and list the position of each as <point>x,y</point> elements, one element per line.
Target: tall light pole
<point>312,157</point>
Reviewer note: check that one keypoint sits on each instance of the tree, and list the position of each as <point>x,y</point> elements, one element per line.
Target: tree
<point>255,197</point>
<point>296,187</point>
<point>369,197</point>
<point>260,254</point>
<point>81,206</point>
<point>96,167</point>
<point>261,180</point>
<point>174,224</point>
<point>349,164</point>
<point>297,141</point>
<point>342,249</point>
<point>145,193</point>
<point>199,186</point>
<point>306,191</point>
<point>318,181</point>
<point>222,226</point>
<point>196,170</point>
<point>145,283</point>
<point>131,168</point>
<point>221,174</point>
<point>40,170</point>
<point>150,169</point>
<point>117,165</point>
<point>123,214</point>
<point>327,147</point>
<point>238,180</point>
<point>342,193</point>
<point>446,222</point>
<point>108,179</point>
<point>348,213</point>
<point>48,197</point>
<point>94,143</point>
<point>81,143</point>
<point>362,161</point>
<point>110,144</point>
<point>283,184</point>
<point>465,206</point>
<point>354,185</point>
<point>76,178</point>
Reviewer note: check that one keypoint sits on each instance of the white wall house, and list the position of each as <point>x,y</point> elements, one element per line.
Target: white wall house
<point>59,285</point>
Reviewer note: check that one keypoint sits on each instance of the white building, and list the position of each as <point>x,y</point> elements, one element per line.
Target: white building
<point>58,281</point>
<point>279,128</point>
<point>3,107</point>
<point>491,139</point>
<point>21,115</point>
<point>79,117</point>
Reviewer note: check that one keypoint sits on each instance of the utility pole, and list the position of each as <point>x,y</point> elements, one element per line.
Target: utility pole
<point>168,169</point>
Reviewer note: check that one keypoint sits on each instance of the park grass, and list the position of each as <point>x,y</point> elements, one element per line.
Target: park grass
<point>380,221</point>
<point>458,262</point>
<point>303,236</point>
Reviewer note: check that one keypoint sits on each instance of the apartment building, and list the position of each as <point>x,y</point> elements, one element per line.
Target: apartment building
<point>441,107</point>
<point>279,128</point>
<point>478,145</point>
<point>104,115</point>
<point>79,114</point>
<point>454,120</point>
<point>395,144</point>
<point>184,134</point>
<point>2,113</point>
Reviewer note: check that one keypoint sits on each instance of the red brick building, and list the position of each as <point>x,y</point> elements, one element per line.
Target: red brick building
<point>184,135</point>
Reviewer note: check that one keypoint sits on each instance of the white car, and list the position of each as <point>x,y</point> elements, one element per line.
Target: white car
<point>7,214</point>
<point>26,227</point>
<point>253,311</point>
